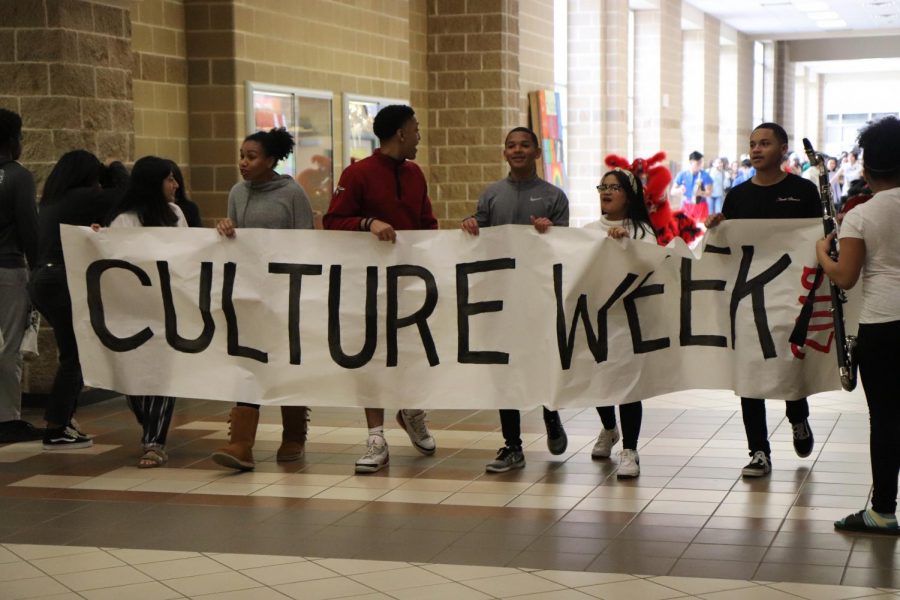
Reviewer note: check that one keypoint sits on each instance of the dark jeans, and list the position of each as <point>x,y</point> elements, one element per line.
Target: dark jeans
<point>631,414</point>
<point>511,425</point>
<point>50,295</point>
<point>754,413</point>
<point>879,361</point>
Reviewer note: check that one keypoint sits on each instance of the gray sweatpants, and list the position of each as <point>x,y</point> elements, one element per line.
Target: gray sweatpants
<point>14,308</point>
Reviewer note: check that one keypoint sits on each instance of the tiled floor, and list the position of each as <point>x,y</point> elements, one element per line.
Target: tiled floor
<point>87,523</point>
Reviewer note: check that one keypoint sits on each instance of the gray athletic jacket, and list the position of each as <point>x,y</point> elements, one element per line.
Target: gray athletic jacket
<point>277,204</point>
<point>512,202</point>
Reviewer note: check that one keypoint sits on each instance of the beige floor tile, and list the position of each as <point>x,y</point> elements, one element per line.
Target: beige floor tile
<point>8,556</point>
<point>290,491</point>
<point>624,492</point>
<point>441,591</point>
<point>373,483</point>
<point>812,591</point>
<point>433,485</point>
<point>11,571</point>
<point>613,504</point>
<point>34,551</point>
<point>87,561</point>
<point>258,593</point>
<point>698,585</point>
<point>466,572</point>
<point>137,557</point>
<point>169,486</point>
<point>555,595</point>
<point>288,573</point>
<point>758,511</point>
<point>691,495</point>
<point>324,589</point>
<point>336,493</point>
<point>415,496</point>
<point>463,499</point>
<point>577,579</point>
<point>554,489</point>
<point>557,502</point>
<point>138,591</point>
<point>496,487</point>
<point>212,584</point>
<point>228,489</point>
<point>108,483</point>
<point>639,589</point>
<point>50,481</point>
<point>387,581</point>
<point>754,593</point>
<point>32,587</point>
<point>252,561</point>
<point>510,585</point>
<point>183,567</point>
<point>673,507</point>
<point>349,566</point>
<point>312,479</point>
<point>770,498</point>
<point>102,578</point>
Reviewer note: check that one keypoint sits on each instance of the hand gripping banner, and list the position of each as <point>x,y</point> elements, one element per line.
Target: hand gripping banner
<point>508,319</point>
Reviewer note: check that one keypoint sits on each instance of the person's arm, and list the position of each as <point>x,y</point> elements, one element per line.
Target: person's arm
<point>25,209</point>
<point>345,209</point>
<point>845,271</point>
<point>559,214</point>
<point>301,210</point>
<point>427,219</point>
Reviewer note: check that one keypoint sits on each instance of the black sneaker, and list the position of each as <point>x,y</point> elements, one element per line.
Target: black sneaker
<point>557,441</point>
<point>19,431</point>
<point>803,438</point>
<point>65,438</point>
<point>507,460</point>
<point>758,466</point>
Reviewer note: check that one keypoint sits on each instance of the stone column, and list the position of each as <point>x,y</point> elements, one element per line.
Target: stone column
<point>614,75</point>
<point>473,91</point>
<point>66,67</point>
<point>700,100</point>
<point>783,92</point>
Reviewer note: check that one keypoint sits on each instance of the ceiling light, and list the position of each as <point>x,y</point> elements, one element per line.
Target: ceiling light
<point>811,6</point>
<point>832,24</point>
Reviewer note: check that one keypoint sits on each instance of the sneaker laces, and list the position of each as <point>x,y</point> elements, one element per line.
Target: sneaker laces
<point>759,458</point>
<point>417,422</point>
<point>503,452</point>
<point>801,431</point>
<point>373,449</point>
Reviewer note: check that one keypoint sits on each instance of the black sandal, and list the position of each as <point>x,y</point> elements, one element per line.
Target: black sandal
<point>857,522</point>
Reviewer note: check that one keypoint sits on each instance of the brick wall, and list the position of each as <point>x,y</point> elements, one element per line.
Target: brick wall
<point>66,67</point>
<point>160,80</point>
<point>535,51</point>
<point>473,98</point>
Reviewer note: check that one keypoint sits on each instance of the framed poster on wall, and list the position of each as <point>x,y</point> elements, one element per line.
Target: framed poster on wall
<point>359,114</point>
<point>546,122</point>
<point>307,114</point>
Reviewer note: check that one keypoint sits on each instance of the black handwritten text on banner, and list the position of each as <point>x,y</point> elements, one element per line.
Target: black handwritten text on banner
<point>509,319</point>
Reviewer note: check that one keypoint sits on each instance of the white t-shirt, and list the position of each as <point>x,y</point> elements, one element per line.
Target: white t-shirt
<point>130,219</point>
<point>875,222</point>
<point>605,225</point>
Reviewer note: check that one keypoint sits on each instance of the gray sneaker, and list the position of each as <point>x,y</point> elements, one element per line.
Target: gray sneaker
<point>507,460</point>
<point>376,456</point>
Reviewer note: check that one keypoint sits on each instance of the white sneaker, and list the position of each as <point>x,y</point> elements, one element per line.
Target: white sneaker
<point>605,442</point>
<point>413,423</point>
<point>376,456</point>
<point>629,464</point>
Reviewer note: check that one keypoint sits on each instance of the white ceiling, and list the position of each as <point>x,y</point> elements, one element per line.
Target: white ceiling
<point>798,19</point>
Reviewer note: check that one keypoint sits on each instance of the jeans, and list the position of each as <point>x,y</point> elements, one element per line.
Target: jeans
<point>754,413</point>
<point>14,305</point>
<point>50,295</point>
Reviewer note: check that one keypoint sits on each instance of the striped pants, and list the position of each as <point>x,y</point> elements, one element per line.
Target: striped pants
<point>154,413</point>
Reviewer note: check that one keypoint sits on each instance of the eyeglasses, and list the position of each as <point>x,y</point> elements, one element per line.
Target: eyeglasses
<point>612,187</point>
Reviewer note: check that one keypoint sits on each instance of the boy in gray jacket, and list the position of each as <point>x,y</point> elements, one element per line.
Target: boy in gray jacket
<point>522,198</point>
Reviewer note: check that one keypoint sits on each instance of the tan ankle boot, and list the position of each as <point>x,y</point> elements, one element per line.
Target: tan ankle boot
<point>238,454</point>
<point>293,438</point>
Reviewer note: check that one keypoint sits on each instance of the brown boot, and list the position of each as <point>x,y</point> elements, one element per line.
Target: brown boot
<point>238,454</point>
<point>293,439</point>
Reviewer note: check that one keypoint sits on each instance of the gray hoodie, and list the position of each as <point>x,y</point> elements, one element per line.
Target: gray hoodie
<point>512,202</point>
<point>277,204</point>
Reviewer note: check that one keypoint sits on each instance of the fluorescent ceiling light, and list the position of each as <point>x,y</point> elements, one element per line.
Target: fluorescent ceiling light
<point>828,15</point>
<point>832,24</point>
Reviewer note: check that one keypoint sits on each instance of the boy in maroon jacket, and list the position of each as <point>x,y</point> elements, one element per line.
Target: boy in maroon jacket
<point>383,194</point>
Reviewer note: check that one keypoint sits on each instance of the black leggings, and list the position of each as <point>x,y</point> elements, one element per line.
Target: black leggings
<point>631,415</point>
<point>879,362</point>
<point>753,411</point>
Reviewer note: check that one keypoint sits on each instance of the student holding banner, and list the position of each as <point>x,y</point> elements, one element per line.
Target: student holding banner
<point>870,246</point>
<point>264,200</point>
<point>522,198</point>
<point>771,194</point>
<point>382,194</point>
<point>623,215</point>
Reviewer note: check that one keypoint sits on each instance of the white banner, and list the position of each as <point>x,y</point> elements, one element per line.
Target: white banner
<point>508,319</point>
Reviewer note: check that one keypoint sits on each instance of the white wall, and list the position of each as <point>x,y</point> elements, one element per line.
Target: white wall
<point>861,92</point>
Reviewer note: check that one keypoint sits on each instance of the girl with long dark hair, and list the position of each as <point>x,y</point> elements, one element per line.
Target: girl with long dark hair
<point>264,200</point>
<point>623,214</point>
<point>72,196</point>
<point>149,201</point>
